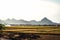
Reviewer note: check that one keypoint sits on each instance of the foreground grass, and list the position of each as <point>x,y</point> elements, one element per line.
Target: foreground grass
<point>33,29</point>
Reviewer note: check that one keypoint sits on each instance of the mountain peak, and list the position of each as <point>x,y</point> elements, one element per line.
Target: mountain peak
<point>45,18</point>
<point>46,21</point>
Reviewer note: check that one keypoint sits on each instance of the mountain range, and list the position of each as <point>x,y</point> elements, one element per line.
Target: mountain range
<point>44,21</point>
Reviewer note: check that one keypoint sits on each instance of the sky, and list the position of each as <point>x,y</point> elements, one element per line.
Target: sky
<point>30,9</point>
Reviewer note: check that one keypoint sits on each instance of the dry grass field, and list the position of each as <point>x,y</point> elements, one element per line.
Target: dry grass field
<point>33,29</point>
<point>31,33</point>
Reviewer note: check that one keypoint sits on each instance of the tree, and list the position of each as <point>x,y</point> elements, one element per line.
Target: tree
<point>1,28</point>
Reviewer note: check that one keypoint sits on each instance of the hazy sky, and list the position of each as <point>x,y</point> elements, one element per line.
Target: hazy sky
<point>30,9</point>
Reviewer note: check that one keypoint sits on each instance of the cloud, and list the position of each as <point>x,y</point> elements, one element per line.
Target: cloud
<point>57,1</point>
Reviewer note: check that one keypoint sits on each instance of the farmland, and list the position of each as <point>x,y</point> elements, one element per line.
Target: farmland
<point>33,29</point>
<point>31,33</point>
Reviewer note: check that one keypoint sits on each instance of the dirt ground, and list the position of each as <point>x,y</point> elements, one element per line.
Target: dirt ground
<point>29,37</point>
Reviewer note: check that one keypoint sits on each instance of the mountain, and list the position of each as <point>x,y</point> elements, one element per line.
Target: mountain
<point>33,22</point>
<point>2,22</point>
<point>46,21</point>
<point>21,21</point>
<point>16,22</point>
<point>13,21</point>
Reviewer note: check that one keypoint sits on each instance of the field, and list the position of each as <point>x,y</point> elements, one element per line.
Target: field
<point>30,33</point>
<point>33,29</point>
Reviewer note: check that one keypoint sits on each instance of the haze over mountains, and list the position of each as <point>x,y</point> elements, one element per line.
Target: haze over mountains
<point>44,21</point>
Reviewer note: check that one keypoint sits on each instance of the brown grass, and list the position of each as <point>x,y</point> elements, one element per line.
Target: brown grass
<point>33,29</point>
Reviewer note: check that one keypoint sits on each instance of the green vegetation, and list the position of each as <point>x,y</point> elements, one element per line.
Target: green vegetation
<point>1,29</point>
<point>2,26</point>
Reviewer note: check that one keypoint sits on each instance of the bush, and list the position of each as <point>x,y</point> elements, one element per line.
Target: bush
<point>2,26</point>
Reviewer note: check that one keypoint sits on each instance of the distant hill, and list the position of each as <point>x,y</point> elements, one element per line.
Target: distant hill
<point>46,21</point>
<point>2,22</point>
<point>23,22</point>
<point>33,22</point>
<point>13,21</point>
